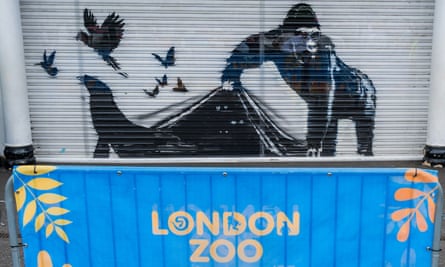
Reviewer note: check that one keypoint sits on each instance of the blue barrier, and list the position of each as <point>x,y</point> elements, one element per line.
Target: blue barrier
<point>278,217</point>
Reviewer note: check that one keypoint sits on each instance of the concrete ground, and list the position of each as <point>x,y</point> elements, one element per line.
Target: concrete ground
<point>5,252</point>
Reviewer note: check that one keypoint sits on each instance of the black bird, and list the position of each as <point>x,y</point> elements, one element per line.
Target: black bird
<point>126,138</point>
<point>154,93</point>
<point>162,82</point>
<point>105,38</point>
<point>48,62</point>
<point>169,59</point>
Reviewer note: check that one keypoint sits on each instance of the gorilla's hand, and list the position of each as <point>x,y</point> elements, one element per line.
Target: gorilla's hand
<point>227,86</point>
<point>230,79</point>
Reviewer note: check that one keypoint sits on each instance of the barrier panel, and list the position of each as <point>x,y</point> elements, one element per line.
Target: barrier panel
<point>277,217</point>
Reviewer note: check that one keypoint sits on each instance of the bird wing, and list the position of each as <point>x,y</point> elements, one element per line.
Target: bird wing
<point>170,58</point>
<point>152,94</point>
<point>113,29</point>
<point>90,21</point>
<point>45,59</point>
<point>158,57</point>
<point>51,58</point>
<point>162,82</point>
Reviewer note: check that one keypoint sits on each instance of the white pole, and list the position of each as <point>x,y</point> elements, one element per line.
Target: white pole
<point>2,125</point>
<point>18,141</point>
<point>435,144</point>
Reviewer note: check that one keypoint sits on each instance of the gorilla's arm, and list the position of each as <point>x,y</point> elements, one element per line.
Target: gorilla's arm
<point>250,53</point>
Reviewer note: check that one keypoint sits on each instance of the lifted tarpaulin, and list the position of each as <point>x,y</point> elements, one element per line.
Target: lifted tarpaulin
<point>232,123</point>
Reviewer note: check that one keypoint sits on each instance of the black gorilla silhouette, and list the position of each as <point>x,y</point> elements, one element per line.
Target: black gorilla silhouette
<point>307,62</point>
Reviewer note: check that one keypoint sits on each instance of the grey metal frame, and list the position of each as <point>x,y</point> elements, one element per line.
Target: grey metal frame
<point>435,250</point>
<point>11,215</point>
<point>16,246</point>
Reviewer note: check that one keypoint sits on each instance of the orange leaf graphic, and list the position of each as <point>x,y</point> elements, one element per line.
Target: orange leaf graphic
<point>44,260</point>
<point>51,198</point>
<point>62,222</point>
<point>29,212</point>
<point>55,211</point>
<point>39,222</point>
<point>431,208</point>
<point>403,233</point>
<point>419,176</point>
<point>34,170</point>
<point>20,197</point>
<point>421,222</point>
<point>49,230</point>
<point>401,214</point>
<point>407,194</point>
<point>43,183</point>
<point>62,234</point>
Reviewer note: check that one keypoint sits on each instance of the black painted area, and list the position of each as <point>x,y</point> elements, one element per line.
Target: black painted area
<point>434,155</point>
<point>231,123</point>
<point>228,123</point>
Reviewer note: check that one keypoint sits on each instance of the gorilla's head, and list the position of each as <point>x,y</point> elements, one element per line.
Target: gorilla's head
<point>300,16</point>
<point>302,31</point>
<point>303,44</point>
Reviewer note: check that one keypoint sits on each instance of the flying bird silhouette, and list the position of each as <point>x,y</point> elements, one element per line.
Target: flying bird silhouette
<point>154,93</point>
<point>180,87</point>
<point>169,59</point>
<point>48,62</point>
<point>105,38</point>
<point>162,82</point>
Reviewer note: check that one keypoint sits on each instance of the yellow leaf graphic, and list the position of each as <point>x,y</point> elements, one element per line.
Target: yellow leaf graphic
<point>403,233</point>
<point>44,183</point>
<point>431,209</point>
<point>62,222</point>
<point>43,259</point>
<point>49,230</point>
<point>62,234</point>
<point>50,198</point>
<point>40,220</point>
<point>20,197</point>
<point>407,194</point>
<point>57,211</point>
<point>419,176</point>
<point>29,212</point>
<point>401,214</point>
<point>421,222</point>
<point>35,170</point>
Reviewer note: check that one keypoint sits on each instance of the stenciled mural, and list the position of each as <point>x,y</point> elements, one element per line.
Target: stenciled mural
<point>229,120</point>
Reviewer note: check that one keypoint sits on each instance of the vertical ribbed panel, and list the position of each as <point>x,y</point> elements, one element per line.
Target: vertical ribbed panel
<point>390,41</point>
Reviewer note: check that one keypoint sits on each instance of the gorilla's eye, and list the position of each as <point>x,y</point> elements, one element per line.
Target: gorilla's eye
<point>314,35</point>
<point>302,34</point>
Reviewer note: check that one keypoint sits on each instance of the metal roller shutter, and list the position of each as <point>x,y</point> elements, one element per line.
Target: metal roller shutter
<point>389,42</point>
